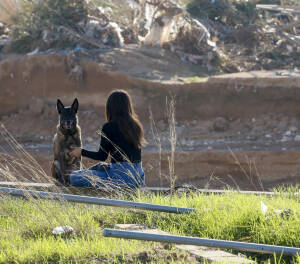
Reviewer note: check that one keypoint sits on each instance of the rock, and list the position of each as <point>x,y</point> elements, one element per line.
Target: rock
<point>129,36</point>
<point>90,139</point>
<point>264,208</point>
<point>36,107</point>
<point>293,129</point>
<point>220,124</point>
<point>34,52</point>
<point>144,256</point>
<point>191,259</point>
<point>288,133</point>
<point>112,35</point>
<point>286,214</point>
<point>93,28</point>
<point>76,74</point>
<point>64,231</point>
<point>161,125</point>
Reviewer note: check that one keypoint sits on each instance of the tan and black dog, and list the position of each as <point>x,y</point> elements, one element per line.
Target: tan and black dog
<point>68,136</point>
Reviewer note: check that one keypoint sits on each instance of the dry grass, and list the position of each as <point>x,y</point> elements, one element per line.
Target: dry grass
<point>27,224</point>
<point>173,139</point>
<point>8,9</point>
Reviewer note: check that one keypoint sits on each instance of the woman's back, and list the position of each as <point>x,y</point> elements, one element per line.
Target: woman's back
<point>114,143</point>
<point>120,149</point>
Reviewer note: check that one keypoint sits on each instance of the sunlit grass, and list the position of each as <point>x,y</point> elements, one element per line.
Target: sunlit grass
<point>26,225</point>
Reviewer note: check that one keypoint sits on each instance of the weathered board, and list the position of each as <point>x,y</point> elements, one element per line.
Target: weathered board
<point>204,254</point>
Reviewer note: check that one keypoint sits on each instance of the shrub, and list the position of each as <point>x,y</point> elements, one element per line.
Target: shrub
<point>232,13</point>
<point>40,19</point>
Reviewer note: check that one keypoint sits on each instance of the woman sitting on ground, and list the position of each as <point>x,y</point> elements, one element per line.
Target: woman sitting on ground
<point>122,137</point>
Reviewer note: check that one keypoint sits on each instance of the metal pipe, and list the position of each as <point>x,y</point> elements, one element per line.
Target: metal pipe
<point>241,246</point>
<point>95,200</point>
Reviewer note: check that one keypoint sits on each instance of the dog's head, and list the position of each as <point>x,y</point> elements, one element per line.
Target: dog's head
<point>67,115</point>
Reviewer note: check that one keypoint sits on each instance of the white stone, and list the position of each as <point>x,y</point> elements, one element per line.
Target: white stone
<point>62,230</point>
<point>288,133</point>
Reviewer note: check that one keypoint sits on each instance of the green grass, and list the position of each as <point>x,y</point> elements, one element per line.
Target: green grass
<point>195,79</point>
<point>26,226</point>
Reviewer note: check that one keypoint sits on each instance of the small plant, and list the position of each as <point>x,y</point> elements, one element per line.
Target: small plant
<point>196,79</point>
<point>157,141</point>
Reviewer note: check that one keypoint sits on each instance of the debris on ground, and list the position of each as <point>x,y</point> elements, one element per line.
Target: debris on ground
<point>264,208</point>
<point>216,36</point>
<point>220,124</point>
<point>64,231</point>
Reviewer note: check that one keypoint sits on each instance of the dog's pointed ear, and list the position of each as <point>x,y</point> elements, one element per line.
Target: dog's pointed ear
<point>59,106</point>
<point>75,105</point>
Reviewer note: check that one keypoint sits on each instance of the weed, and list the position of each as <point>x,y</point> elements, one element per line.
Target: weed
<point>195,79</point>
<point>173,139</point>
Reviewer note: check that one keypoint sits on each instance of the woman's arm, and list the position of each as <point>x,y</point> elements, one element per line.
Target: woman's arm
<point>104,149</point>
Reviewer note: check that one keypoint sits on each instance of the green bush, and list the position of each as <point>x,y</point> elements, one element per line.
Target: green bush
<point>51,15</point>
<point>232,13</point>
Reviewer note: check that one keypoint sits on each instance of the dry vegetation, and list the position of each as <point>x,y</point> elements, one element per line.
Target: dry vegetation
<point>246,38</point>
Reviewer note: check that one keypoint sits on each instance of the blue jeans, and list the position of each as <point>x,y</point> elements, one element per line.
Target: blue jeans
<point>122,174</point>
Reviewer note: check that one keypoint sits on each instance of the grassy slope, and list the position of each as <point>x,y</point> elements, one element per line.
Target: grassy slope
<point>26,226</point>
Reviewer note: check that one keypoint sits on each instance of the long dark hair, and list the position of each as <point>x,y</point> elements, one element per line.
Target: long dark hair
<point>119,109</point>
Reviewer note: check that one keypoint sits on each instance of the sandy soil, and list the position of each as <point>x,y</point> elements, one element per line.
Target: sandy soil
<point>237,129</point>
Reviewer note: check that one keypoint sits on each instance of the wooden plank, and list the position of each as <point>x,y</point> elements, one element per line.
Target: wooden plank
<point>27,185</point>
<point>277,8</point>
<point>207,191</point>
<point>205,254</point>
<point>162,190</point>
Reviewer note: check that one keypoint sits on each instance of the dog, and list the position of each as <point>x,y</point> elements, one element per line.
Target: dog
<point>68,136</point>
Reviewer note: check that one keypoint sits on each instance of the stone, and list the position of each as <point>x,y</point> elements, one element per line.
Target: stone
<point>161,125</point>
<point>220,124</point>
<point>89,139</point>
<point>36,107</point>
<point>63,231</point>
<point>76,74</point>
<point>288,133</point>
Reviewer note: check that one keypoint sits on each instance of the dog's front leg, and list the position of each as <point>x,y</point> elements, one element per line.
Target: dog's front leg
<point>56,169</point>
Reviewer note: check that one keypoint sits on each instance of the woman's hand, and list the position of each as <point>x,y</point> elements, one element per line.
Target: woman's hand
<point>75,152</point>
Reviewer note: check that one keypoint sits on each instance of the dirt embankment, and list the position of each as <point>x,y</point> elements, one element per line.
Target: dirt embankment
<point>240,95</point>
<point>254,114</point>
